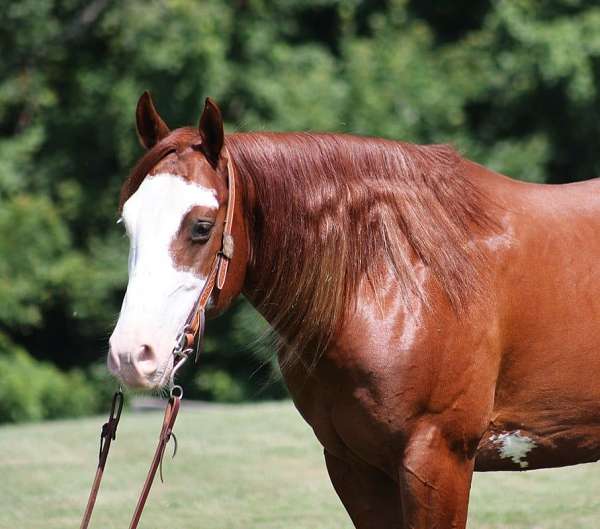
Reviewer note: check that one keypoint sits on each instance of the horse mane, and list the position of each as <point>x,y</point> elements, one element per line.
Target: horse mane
<point>331,210</point>
<point>176,141</point>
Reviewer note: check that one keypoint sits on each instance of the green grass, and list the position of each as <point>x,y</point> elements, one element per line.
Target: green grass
<point>238,467</point>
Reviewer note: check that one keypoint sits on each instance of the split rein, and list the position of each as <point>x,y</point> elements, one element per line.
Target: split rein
<point>188,342</point>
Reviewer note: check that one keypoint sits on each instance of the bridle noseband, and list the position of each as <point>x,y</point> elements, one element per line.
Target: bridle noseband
<point>190,339</point>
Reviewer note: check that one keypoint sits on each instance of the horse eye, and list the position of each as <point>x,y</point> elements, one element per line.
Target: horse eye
<point>200,231</point>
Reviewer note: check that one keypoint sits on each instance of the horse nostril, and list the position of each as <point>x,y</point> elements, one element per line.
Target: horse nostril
<point>145,360</point>
<point>145,353</point>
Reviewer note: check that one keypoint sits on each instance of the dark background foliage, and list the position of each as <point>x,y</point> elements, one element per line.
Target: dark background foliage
<point>512,84</point>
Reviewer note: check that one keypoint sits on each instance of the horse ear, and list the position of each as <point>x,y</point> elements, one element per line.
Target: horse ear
<point>150,127</point>
<point>211,131</point>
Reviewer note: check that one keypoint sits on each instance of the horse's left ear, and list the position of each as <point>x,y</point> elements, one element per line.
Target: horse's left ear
<point>211,131</point>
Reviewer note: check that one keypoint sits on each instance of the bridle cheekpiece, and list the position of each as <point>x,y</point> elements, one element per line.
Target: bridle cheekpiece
<point>190,340</point>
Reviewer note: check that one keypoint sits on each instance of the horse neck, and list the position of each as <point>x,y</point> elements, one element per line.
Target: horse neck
<point>326,212</point>
<point>296,290</point>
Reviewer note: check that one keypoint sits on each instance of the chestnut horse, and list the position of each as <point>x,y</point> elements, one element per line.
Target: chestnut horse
<point>435,317</point>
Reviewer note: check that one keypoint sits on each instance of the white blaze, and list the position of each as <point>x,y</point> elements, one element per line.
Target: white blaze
<point>159,297</point>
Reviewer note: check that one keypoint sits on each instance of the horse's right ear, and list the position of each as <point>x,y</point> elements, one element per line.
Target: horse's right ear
<point>150,127</point>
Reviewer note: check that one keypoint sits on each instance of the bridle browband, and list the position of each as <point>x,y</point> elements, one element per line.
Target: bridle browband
<point>188,341</point>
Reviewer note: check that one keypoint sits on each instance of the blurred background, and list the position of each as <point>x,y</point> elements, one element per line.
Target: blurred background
<point>513,85</point>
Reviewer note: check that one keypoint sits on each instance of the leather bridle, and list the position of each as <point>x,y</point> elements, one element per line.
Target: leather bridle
<point>193,329</point>
<point>188,342</point>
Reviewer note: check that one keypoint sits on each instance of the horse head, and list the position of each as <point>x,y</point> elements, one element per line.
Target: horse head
<point>174,207</point>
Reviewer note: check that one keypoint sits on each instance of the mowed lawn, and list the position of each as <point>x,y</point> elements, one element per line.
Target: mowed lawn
<point>238,467</point>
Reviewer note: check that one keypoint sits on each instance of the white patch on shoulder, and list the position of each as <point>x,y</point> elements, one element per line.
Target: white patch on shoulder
<point>514,445</point>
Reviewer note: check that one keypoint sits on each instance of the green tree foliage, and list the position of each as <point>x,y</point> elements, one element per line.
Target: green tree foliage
<point>34,390</point>
<point>513,84</point>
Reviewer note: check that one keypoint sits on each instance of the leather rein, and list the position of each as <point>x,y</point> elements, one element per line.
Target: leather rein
<point>189,342</point>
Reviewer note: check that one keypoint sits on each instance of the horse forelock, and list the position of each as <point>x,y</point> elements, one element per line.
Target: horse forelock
<point>332,210</point>
<point>175,142</point>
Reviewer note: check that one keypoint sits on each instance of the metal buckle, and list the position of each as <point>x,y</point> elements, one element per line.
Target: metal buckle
<point>176,392</point>
<point>180,359</point>
<point>180,341</point>
<point>227,249</point>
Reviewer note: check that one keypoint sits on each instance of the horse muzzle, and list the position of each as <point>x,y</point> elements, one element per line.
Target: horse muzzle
<point>137,367</point>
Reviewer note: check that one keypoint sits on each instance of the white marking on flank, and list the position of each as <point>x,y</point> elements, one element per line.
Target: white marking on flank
<point>514,445</point>
<point>159,296</point>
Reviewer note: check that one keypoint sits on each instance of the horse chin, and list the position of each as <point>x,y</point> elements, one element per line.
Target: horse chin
<point>133,379</point>
<point>162,379</point>
<point>158,380</point>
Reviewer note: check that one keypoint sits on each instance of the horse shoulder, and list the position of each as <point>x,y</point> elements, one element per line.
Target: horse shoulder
<point>392,367</point>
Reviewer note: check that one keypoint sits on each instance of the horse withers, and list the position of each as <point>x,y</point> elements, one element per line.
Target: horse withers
<point>434,317</point>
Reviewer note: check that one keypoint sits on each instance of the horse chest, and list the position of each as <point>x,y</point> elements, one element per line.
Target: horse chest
<point>348,431</point>
<point>352,417</point>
